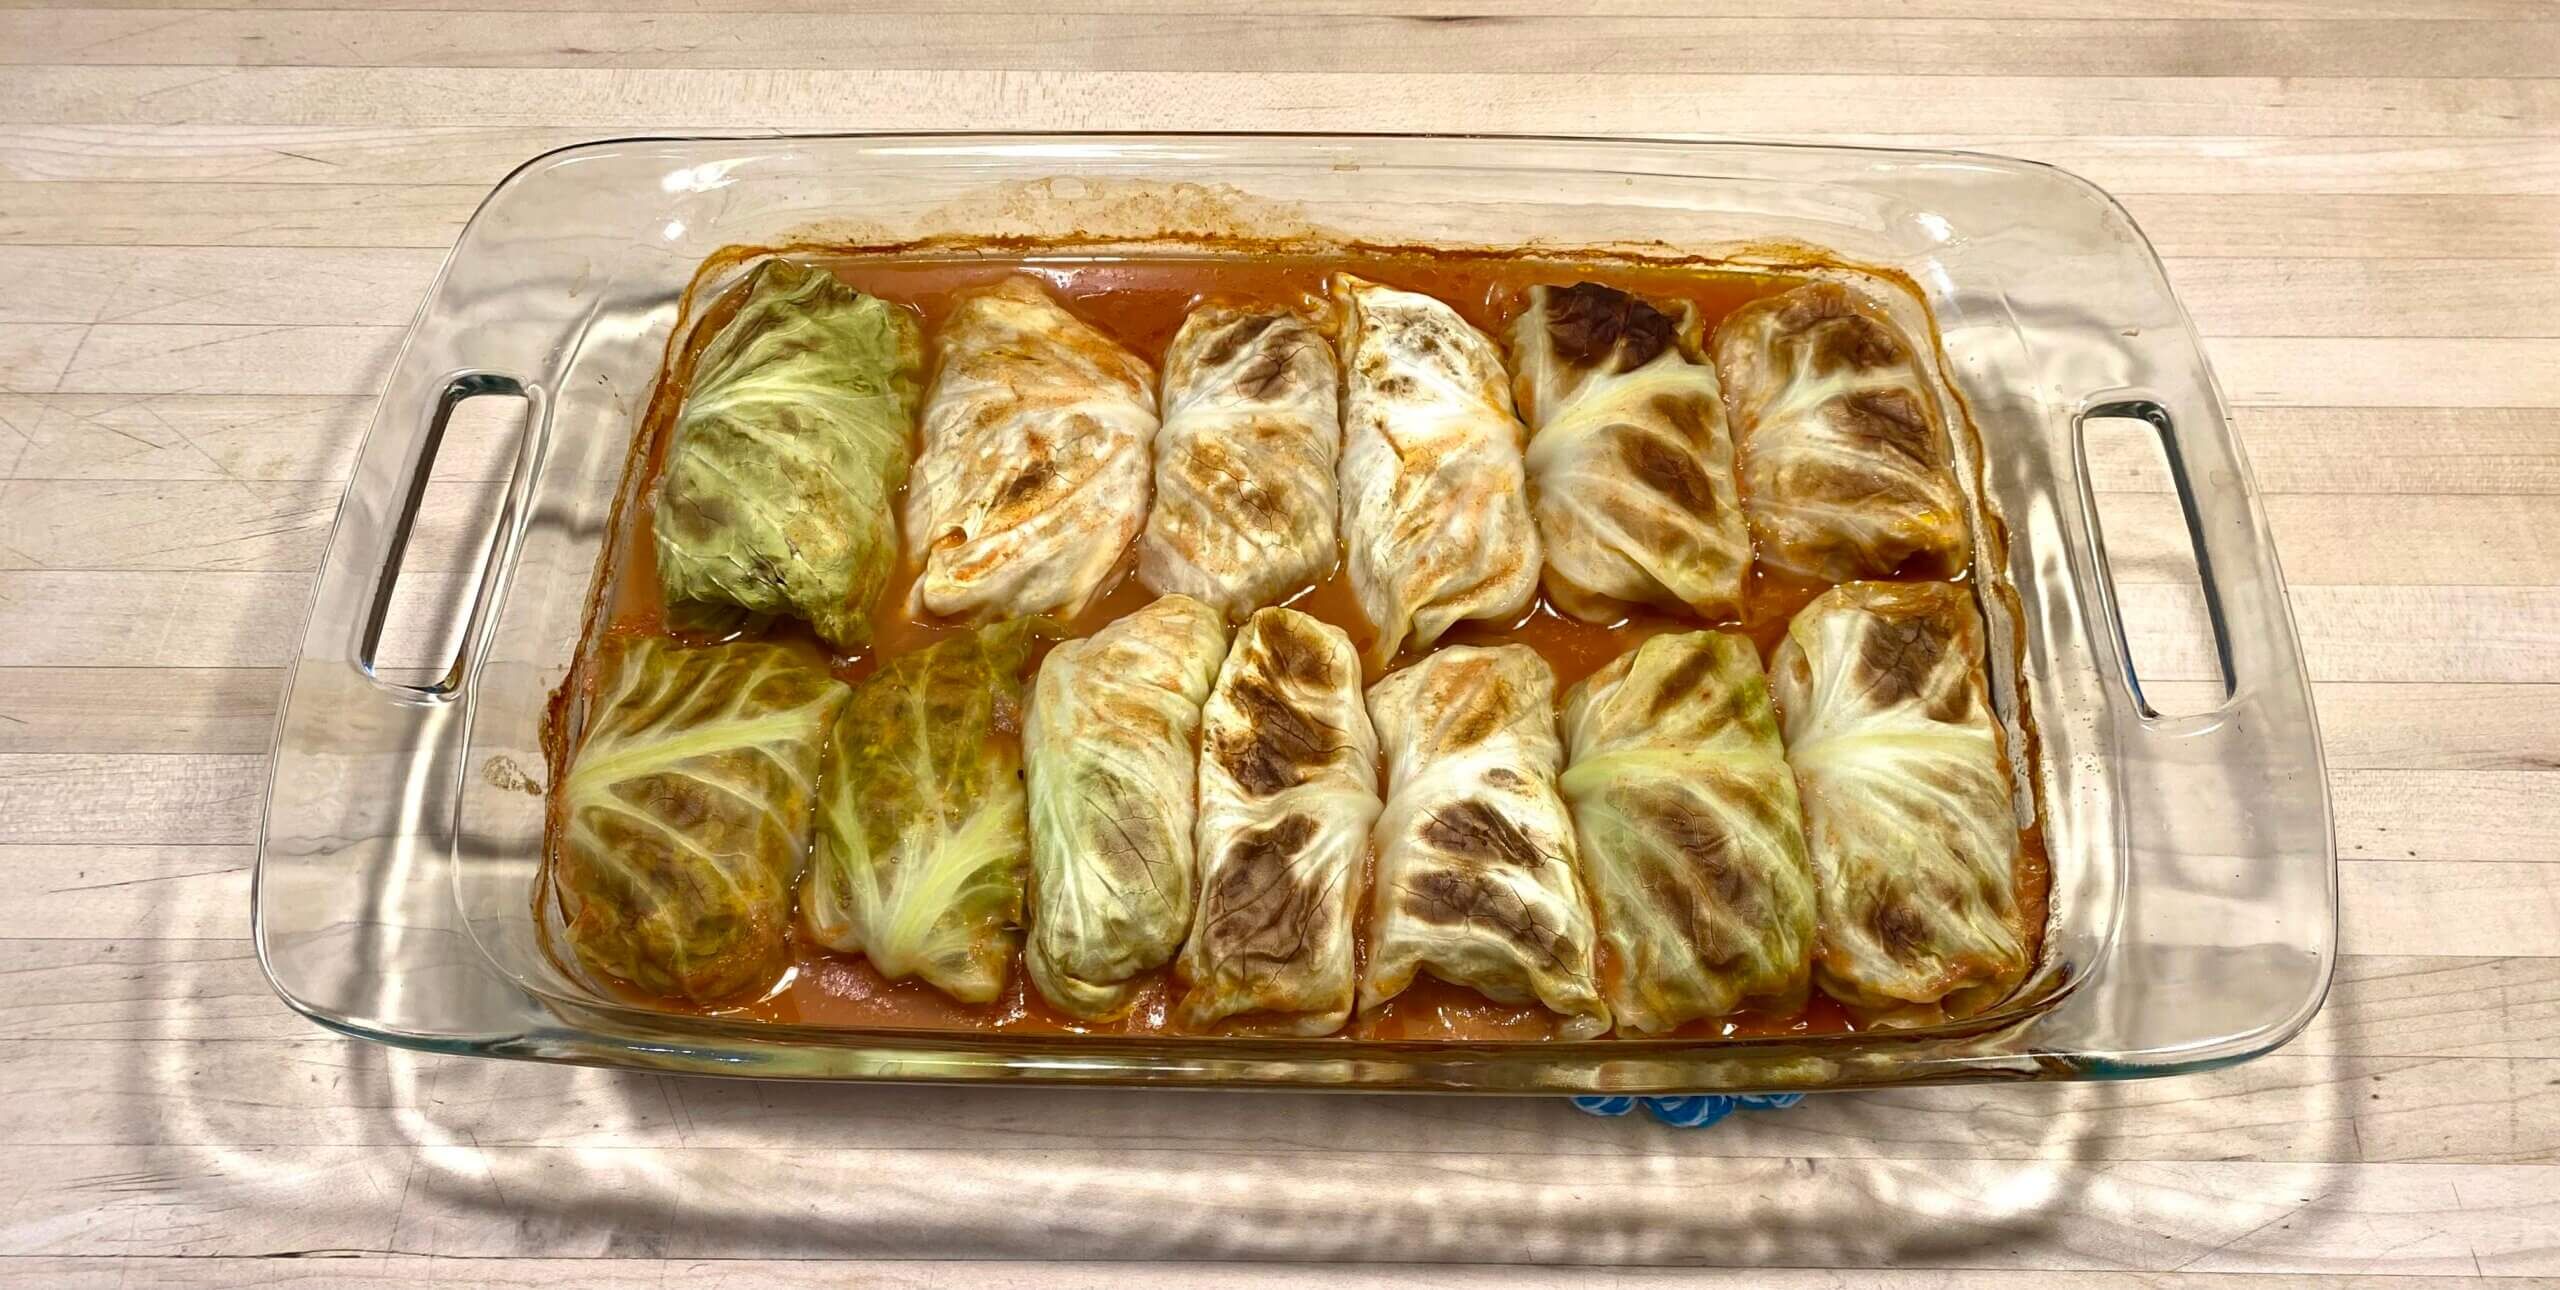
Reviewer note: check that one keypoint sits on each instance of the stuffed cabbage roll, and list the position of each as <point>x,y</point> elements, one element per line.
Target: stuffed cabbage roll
<point>1629,458</point>
<point>1846,467</point>
<point>1435,507</point>
<point>1690,838</point>
<point>1906,800</point>
<point>1476,879</point>
<point>1033,476</point>
<point>1244,503</point>
<point>1288,789</point>
<point>922,845</point>
<point>1110,751</point>
<point>685,814</point>
<point>776,498</point>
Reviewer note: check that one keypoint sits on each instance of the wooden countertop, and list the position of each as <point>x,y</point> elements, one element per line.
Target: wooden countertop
<point>214,225</point>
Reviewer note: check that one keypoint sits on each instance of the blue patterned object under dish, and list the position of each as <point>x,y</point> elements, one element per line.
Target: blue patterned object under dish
<point>1694,1112</point>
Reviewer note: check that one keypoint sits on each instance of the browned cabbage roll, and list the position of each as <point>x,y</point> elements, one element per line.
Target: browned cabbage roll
<point>1907,806</point>
<point>1110,748</point>
<point>1244,503</point>
<point>1630,463</point>
<point>1692,844</point>
<point>1846,467</point>
<point>1033,475</point>
<point>1435,505</point>
<point>1476,879</point>
<point>1288,789</point>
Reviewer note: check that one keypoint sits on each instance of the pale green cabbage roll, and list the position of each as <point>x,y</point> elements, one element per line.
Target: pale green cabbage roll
<point>1033,476</point>
<point>1288,789</point>
<point>922,845</point>
<point>685,814</point>
<point>790,446</point>
<point>1692,844</point>
<point>1907,800</point>
<point>1245,502</point>
<point>1476,876</point>
<point>1630,462</point>
<point>1110,750</point>
<point>1435,504</point>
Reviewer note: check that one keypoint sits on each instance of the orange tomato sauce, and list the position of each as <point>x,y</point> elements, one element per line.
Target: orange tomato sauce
<point>1141,303</point>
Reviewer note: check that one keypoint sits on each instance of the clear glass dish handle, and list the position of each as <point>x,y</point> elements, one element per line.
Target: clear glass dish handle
<point>347,937</point>
<point>2222,843</point>
<point>355,908</point>
<point>380,542</point>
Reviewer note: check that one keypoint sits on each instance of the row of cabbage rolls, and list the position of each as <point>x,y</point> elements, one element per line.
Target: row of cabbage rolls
<point>1189,794</point>
<point>1192,792</point>
<point>1602,454</point>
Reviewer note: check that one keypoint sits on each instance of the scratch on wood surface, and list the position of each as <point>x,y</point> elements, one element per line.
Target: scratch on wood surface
<point>149,878</point>
<point>2306,1203</point>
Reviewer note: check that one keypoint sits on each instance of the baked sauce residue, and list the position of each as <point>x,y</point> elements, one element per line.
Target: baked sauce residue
<point>1141,303</point>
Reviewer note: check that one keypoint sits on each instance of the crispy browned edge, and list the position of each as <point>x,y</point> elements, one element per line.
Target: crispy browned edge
<point>1991,537</point>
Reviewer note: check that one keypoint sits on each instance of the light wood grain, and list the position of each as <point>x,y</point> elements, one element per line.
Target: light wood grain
<point>2486,540</point>
<point>1044,41</point>
<point>1722,97</point>
<point>1458,9</point>
<point>2268,296</point>
<point>2414,726</point>
<point>455,1199</point>
<point>2402,226</point>
<point>343,1270</point>
<point>234,214</point>
<point>128,438</point>
<point>2437,451</point>
<point>2390,1005</point>
<point>233,524</point>
<point>2355,633</point>
<point>126,985</point>
<point>364,286</point>
<point>2345,163</point>
<point>317,1092</point>
<point>86,709</point>
<point>216,219</point>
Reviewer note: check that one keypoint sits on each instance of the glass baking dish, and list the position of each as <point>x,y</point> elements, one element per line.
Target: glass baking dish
<point>2194,901</point>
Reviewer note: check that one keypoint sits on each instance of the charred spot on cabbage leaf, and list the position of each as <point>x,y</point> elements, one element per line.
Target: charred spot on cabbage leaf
<point>1032,478</point>
<point>1435,512</point>
<point>1244,476</point>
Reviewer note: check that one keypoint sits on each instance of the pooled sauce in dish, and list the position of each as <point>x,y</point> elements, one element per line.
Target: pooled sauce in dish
<point>1141,303</point>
